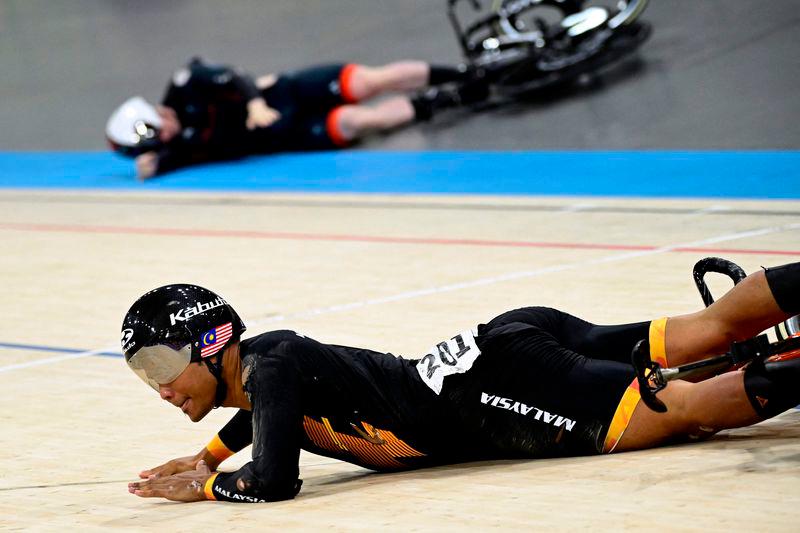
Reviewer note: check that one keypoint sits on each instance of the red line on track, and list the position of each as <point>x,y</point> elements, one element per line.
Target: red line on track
<point>277,235</point>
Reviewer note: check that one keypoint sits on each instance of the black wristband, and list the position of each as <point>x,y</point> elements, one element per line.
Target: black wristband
<point>224,488</point>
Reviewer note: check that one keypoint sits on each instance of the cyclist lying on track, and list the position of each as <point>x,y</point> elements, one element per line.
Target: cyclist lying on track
<point>533,382</point>
<point>214,112</point>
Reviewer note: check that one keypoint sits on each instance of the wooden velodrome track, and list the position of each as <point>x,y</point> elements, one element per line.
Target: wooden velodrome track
<point>394,274</point>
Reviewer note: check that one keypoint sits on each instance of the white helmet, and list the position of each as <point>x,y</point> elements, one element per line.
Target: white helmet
<point>133,127</point>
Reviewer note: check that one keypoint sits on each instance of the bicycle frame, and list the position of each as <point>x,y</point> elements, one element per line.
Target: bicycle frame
<point>496,31</point>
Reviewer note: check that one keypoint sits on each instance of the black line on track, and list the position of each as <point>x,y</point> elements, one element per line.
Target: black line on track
<point>377,204</point>
<point>69,484</point>
<point>108,482</point>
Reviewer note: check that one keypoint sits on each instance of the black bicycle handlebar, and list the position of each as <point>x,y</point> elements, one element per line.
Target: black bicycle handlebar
<point>720,266</point>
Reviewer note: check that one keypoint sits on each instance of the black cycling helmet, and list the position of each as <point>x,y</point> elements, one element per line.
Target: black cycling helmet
<point>174,325</point>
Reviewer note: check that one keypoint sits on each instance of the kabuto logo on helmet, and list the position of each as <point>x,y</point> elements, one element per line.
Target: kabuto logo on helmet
<point>184,314</point>
<point>174,326</point>
<point>125,340</point>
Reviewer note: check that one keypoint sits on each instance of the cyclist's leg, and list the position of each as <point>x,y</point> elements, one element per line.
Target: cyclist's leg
<point>730,400</point>
<point>760,301</point>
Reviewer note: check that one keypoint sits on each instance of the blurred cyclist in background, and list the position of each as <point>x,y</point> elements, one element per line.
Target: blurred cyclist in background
<point>215,112</point>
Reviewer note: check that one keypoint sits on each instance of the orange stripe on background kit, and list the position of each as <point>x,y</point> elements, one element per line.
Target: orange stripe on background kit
<point>332,128</point>
<point>346,81</point>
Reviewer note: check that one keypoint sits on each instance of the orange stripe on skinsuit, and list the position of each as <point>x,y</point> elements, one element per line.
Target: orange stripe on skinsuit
<point>218,449</point>
<point>380,455</point>
<point>332,128</point>
<point>658,343</point>
<point>208,488</point>
<point>346,83</point>
<point>318,434</point>
<point>333,434</point>
<point>622,417</point>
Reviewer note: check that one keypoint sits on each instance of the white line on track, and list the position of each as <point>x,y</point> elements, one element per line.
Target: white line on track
<point>523,274</point>
<point>458,286</point>
<point>575,208</point>
<point>717,208</point>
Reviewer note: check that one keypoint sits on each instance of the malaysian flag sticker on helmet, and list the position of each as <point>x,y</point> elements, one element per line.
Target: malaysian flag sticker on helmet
<point>214,339</point>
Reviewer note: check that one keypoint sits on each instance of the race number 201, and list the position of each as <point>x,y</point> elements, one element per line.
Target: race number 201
<point>453,356</point>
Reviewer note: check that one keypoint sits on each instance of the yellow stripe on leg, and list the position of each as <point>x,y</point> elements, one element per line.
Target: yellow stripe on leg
<point>622,417</point>
<point>658,344</point>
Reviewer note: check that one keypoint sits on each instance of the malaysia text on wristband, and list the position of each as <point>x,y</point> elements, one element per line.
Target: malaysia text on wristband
<point>218,449</point>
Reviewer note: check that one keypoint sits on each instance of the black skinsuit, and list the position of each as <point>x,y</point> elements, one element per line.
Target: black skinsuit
<point>539,383</point>
<point>211,104</point>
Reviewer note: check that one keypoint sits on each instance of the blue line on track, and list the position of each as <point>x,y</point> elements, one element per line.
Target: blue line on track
<point>728,174</point>
<point>38,348</point>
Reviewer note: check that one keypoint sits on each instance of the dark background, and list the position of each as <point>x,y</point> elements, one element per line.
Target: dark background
<point>715,74</point>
